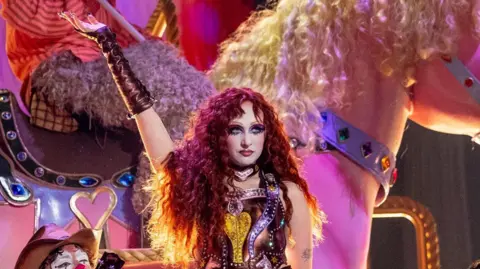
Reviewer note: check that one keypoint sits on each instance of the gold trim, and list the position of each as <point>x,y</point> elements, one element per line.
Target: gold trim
<point>428,248</point>
<point>91,196</point>
<point>163,22</point>
<point>132,256</point>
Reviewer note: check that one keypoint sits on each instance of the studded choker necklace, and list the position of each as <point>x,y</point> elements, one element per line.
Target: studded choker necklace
<point>243,173</point>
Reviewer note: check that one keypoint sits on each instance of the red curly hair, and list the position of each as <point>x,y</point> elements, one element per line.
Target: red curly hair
<point>189,194</point>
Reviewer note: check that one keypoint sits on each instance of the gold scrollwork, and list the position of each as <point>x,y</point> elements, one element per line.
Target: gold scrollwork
<point>428,248</point>
<point>163,21</point>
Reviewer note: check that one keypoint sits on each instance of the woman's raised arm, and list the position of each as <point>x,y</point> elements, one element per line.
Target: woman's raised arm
<point>137,98</point>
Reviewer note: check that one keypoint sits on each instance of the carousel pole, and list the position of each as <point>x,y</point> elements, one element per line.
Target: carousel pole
<point>120,19</point>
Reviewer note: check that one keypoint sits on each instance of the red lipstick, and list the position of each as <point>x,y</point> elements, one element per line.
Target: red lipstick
<point>246,153</point>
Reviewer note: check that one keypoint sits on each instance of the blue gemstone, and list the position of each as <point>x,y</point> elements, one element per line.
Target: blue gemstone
<point>87,181</point>
<point>126,179</point>
<point>61,180</point>
<point>323,115</point>
<point>22,156</point>
<point>6,115</point>
<point>18,190</point>
<point>39,172</point>
<point>11,135</point>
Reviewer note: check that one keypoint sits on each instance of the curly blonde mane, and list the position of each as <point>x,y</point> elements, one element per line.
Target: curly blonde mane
<point>302,55</point>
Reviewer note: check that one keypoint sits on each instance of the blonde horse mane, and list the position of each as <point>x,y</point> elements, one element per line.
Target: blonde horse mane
<point>300,54</point>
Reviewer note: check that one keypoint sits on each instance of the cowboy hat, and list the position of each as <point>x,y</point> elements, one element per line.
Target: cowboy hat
<point>50,237</point>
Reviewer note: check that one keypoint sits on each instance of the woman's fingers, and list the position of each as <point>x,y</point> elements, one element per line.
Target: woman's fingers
<point>64,16</point>
<point>90,26</point>
<point>78,23</point>
<point>92,19</point>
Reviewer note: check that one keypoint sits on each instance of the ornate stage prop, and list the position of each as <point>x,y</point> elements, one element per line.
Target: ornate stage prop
<point>427,243</point>
<point>72,180</point>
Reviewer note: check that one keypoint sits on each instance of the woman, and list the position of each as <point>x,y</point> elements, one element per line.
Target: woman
<point>230,195</point>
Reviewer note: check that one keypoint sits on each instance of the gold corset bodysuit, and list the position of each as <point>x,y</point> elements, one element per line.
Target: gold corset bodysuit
<point>254,235</point>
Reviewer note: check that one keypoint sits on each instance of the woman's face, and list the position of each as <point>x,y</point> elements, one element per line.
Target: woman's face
<point>246,137</point>
<point>70,257</point>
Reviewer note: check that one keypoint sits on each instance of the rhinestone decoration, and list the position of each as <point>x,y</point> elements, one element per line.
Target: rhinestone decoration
<point>243,175</point>
<point>393,180</point>
<point>264,263</point>
<point>343,134</point>
<point>267,215</point>
<point>275,260</point>
<point>323,115</point>
<point>270,178</point>
<point>61,180</point>
<point>4,98</point>
<point>126,179</point>
<point>235,206</point>
<point>6,115</point>
<point>468,82</point>
<point>11,135</point>
<point>87,181</point>
<point>39,172</point>
<point>18,189</point>
<point>385,163</point>
<point>22,156</point>
<point>367,149</point>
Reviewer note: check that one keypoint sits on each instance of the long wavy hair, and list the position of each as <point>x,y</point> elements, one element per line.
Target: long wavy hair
<point>189,194</point>
<point>302,55</point>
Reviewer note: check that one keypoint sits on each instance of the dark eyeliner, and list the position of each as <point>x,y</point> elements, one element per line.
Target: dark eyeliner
<point>235,129</point>
<point>257,129</point>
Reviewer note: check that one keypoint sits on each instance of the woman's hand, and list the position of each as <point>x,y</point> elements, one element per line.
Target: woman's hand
<point>86,28</point>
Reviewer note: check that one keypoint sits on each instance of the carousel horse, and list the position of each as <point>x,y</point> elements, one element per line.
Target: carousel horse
<point>41,169</point>
<point>346,75</point>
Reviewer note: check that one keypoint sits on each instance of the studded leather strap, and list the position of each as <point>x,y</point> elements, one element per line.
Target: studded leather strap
<point>463,75</point>
<point>360,148</point>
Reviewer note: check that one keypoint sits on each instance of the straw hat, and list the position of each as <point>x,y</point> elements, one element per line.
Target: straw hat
<point>51,237</point>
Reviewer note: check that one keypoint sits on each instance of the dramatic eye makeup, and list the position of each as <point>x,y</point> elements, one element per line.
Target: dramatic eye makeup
<point>257,128</point>
<point>235,129</point>
<point>63,265</point>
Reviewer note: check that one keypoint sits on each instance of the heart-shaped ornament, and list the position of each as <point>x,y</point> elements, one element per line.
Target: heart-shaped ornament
<point>94,209</point>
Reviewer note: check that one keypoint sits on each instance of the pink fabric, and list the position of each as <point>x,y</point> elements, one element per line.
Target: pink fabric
<point>120,237</point>
<point>13,238</point>
<point>73,226</point>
